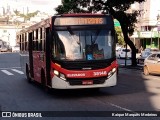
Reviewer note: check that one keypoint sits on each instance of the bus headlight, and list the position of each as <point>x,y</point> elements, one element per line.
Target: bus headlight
<point>113,70</point>
<point>62,76</point>
<point>56,72</point>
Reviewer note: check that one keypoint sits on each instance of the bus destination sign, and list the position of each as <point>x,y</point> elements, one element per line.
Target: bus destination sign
<point>80,21</point>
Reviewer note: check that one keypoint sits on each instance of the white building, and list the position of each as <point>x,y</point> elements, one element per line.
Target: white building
<point>8,33</point>
<point>146,34</point>
<point>148,23</point>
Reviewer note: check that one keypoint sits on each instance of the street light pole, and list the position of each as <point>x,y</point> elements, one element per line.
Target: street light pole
<point>158,18</point>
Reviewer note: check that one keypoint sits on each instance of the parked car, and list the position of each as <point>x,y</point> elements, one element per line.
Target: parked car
<point>145,54</point>
<point>16,48</point>
<point>4,49</point>
<point>123,52</point>
<point>118,47</point>
<point>152,64</point>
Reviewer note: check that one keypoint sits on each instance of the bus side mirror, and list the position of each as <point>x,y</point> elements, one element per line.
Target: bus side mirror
<point>116,37</point>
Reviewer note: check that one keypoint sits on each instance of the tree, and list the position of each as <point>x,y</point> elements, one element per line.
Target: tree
<point>117,8</point>
<point>26,16</point>
<point>16,12</point>
<point>120,36</point>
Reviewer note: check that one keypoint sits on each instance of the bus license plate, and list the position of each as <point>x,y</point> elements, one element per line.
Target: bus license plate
<point>87,82</point>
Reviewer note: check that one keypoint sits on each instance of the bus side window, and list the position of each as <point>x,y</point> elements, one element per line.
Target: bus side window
<point>20,42</point>
<point>40,39</point>
<point>43,38</point>
<point>37,40</point>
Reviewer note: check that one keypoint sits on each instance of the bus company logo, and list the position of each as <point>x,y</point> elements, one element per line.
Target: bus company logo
<point>6,114</point>
<point>76,75</point>
<point>99,73</point>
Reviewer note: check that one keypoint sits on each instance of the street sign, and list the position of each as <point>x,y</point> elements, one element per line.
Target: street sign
<point>116,23</point>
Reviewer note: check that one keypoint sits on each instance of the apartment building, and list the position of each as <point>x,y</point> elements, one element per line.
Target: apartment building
<point>147,33</point>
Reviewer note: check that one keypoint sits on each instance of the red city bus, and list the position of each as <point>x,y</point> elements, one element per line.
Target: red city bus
<point>70,51</point>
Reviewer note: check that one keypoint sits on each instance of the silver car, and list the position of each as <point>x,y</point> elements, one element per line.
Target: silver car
<point>152,64</point>
<point>16,48</point>
<point>145,54</point>
<point>4,49</point>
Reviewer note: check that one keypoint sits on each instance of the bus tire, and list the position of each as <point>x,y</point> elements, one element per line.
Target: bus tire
<point>28,75</point>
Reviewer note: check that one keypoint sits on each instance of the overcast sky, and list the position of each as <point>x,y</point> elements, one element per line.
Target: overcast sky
<point>42,5</point>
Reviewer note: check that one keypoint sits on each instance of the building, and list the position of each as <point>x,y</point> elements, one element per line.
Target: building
<point>8,32</point>
<point>147,33</point>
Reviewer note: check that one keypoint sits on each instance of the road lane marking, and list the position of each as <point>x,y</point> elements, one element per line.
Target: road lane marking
<point>122,108</point>
<point>6,72</point>
<point>9,68</point>
<point>18,71</point>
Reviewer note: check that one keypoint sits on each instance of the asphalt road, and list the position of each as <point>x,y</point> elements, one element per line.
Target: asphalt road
<point>134,92</point>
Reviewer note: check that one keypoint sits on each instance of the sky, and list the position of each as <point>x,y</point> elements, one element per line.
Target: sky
<point>33,5</point>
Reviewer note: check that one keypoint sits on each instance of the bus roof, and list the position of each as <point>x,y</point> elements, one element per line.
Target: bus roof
<point>82,14</point>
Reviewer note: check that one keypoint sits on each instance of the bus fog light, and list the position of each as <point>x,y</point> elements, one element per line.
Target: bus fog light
<point>109,74</point>
<point>62,76</point>
<point>56,72</point>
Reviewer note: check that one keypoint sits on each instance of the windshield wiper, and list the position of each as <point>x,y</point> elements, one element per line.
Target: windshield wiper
<point>94,40</point>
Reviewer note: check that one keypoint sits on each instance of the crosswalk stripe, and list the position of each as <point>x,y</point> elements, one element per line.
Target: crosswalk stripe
<point>7,72</point>
<point>18,71</point>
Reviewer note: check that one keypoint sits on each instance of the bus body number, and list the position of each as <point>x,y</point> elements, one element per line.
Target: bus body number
<point>100,73</point>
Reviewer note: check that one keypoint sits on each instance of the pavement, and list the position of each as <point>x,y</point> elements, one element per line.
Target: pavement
<point>138,67</point>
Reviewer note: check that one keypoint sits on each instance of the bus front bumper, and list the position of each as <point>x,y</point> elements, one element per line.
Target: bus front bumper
<point>58,83</point>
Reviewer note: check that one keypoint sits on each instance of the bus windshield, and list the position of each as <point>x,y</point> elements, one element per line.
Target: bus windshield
<point>83,45</point>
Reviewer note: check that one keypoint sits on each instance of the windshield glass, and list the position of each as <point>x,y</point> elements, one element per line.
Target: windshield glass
<point>83,45</point>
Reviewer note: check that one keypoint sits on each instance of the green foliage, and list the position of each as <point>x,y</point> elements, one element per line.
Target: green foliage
<point>17,12</point>
<point>26,16</point>
<point>69,6</point>
<point>120,36</point>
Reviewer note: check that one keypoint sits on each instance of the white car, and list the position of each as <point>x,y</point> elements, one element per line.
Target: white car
<point>15,48</point>
<point>3,49</point>
<point>123,52</point>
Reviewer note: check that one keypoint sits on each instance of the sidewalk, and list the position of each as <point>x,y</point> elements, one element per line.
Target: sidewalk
<point>138,67</point>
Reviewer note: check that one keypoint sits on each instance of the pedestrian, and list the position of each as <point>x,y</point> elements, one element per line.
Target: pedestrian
<point>141,49</point>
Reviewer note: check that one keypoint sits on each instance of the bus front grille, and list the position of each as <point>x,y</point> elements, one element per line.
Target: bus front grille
<point>83,66</point>
<point>79,81</point>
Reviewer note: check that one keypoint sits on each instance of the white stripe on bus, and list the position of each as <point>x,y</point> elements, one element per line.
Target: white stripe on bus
<point>6,72</point>
<point>20,72</point>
